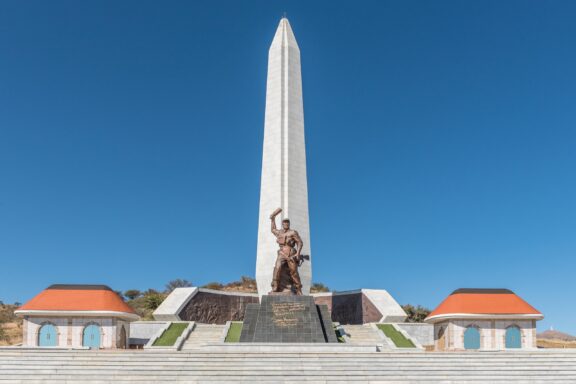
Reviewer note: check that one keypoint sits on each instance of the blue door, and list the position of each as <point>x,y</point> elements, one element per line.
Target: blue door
<point>472,338</point>
<point>48,337</point>
<point>513,337</point>
<point>91,337</point>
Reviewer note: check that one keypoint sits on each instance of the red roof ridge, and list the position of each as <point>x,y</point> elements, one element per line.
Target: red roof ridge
<point>483,301</point>
<point>68,297</point>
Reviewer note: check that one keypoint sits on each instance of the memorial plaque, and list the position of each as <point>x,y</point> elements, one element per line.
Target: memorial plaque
<point>287,319</point>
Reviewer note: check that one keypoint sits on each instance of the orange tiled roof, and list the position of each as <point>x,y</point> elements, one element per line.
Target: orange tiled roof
<point>484,301</point>
<point>77,298</point>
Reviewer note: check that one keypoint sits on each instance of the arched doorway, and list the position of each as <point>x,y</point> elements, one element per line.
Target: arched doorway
<point>441,339</point>
<point>91,336</point>
<point>513,337</point>
<point>122,340</point>
<point>472,338</point>
<point>48,336</point>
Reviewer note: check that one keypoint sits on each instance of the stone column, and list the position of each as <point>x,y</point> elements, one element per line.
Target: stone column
<point>283,183</point>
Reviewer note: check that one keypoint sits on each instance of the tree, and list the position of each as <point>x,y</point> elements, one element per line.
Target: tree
<point>153,300</point>
<point>178,283</point>
<point>132,294</point>
<point>319,287</point>
<point>415,314</point>
<point>150,291</point>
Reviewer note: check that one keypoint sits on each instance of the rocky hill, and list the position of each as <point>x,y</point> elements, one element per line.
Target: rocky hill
<point>555,339</point>
<point>10,325</point>
<point>556,335</point>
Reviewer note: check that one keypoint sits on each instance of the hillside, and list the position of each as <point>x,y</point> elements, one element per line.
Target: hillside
<point>555,339</point>
<point>556,335</point>
<point>248,285</point>
<point>10,325</point>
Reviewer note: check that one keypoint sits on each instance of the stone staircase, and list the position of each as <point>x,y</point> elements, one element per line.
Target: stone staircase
<point>200,366</point>
<point>363,334</point>
<point>203,334</point>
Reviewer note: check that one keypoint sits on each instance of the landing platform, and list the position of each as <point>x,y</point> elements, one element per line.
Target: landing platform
<point>290,347</point>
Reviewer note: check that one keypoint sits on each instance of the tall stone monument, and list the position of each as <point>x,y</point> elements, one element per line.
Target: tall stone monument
<point>283,312</point>
<point>283,182</point>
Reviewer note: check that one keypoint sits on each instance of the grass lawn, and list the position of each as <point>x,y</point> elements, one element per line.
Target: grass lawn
<point>169,336</point>
<point>234,331</point>
<point>399,340</point>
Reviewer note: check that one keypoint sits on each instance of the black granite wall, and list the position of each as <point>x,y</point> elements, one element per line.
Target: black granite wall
<point>352,308</point>
<point>287,319</point>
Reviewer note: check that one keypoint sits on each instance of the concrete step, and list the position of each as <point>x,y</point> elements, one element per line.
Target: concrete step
<point>195,366</point>
<point>203,334</point>
<point>362,334</point>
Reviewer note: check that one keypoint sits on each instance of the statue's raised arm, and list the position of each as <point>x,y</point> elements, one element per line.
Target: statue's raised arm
<point>273,220</point>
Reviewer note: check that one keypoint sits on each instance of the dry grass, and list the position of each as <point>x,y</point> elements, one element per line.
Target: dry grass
<point>546,343</point>
<point>10,326</point>
<point>12,333</point>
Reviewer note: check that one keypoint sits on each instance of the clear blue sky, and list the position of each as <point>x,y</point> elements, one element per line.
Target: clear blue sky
<point>441,140</point>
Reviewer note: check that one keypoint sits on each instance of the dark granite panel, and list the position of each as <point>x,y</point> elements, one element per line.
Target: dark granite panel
<point>249,326</point>
<point>347,309</point>
<point>285,319</point>
<point>370,314</point>
<point>352,308</point>
<point>214,308</point>
<point>327,326</point>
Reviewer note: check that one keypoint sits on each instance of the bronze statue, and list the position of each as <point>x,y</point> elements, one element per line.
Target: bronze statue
<point>288,256</point>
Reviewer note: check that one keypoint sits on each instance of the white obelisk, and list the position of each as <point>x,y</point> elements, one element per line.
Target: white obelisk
<point>283,183</point>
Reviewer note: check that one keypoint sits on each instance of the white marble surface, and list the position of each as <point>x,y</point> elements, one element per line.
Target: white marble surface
<point>170,308</point>
<point>283,182</point>
<point>391,311</point>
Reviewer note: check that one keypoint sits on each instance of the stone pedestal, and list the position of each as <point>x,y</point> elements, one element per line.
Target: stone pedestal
<point>287,319</point>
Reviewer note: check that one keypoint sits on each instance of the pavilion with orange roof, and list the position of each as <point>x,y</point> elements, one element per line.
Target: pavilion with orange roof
<point>67,315</point>
<point>484,319</point>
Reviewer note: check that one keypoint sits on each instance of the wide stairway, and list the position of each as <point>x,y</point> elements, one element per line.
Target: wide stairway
<point>203,334</point>
<point>363,334</point>
<point>91,367</point>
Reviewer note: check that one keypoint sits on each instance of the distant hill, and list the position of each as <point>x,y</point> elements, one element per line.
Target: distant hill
<point>555,335</point>
<point>555,339</point>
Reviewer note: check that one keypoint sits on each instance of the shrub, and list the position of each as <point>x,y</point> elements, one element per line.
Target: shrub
<point>132,294</point>
<point>415,314</point>
<point>214,285</point>
<point>319,287</point>
<point>153,300</point>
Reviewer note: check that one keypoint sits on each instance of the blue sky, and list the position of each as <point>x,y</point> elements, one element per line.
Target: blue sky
<point>441,142</point>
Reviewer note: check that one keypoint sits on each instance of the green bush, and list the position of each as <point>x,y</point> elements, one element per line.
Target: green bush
<point>153,300</point>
